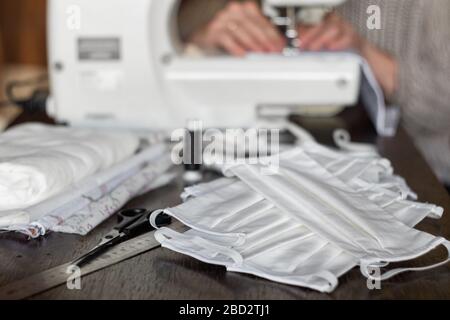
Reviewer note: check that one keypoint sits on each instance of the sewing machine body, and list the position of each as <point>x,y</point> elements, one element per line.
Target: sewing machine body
<point>120,65</point>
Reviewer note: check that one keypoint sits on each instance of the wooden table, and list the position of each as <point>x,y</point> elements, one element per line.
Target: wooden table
<point>163,274</point>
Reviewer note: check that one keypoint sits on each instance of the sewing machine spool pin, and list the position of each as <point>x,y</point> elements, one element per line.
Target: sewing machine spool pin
<point>292,34</point>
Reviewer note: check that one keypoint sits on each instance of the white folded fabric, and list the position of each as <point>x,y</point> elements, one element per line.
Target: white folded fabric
<point>38,161</point>
<point>90,189</point>
<point>84,213</point>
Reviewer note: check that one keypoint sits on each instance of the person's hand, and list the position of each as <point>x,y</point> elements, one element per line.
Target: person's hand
<point>334,33</point>
<point>238,29</point>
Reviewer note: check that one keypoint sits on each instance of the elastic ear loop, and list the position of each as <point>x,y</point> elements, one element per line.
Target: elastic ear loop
<point>366,264</point>
<point>328,277</point>
<point>300,133</point>
<point>153,217</point>
<point>436,212</point>
<point>343,139</point>
<point>166,234</point>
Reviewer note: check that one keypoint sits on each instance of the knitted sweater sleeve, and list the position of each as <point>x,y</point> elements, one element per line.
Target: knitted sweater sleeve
<point>424,72</point>
<point>424,87</point>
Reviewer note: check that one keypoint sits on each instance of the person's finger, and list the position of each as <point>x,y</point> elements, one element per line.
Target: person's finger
<point>228,33</point>
<point>348,39</point>
<point>241,34</point>
<point>343,42</point>
<point>231,46</point>
<point>308,34</point>
<point>270,30</point>
<point>250,33</point>
<point>328,35</point>
<point>242,29</point>
<point>262,36</point>
<point>262,29</point>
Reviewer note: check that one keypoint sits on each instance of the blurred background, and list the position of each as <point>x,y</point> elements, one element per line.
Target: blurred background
<point>22,32</point>
<point>22,45</point>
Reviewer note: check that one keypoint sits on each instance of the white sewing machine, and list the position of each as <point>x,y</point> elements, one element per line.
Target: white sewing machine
<point>119,63</point>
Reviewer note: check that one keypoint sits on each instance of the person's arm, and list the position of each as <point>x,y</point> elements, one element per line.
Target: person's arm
<point>424,88</point>
<point>418,81</point>
<point>424,72</point>
<point>335,34</point>
<point>384,66</point>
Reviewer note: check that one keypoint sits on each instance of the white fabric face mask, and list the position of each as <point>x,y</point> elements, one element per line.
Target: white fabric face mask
<point>358,165</point>
<point>281,256</point>
<point>272,251</point>
<point>310,194</point>
<point>273,263</point>
<point>275,252</point>
<point>210,212</point>
<point>388,197</point>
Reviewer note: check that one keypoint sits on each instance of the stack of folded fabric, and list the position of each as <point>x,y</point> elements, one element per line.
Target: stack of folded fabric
<point>70,179</point>
<point>320,214</point>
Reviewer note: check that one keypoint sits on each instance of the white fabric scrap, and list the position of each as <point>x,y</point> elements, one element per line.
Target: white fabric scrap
<point>78,195</point>
<point>38,161</point>
<point>79,206</point>
<point>83,213</point>
<point>83,221</point>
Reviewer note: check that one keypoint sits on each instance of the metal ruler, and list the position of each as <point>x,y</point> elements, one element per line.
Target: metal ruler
<point>59,275</point>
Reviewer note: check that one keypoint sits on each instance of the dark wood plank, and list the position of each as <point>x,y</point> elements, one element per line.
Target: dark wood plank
<point>163,274</point>
<point>23,28</point>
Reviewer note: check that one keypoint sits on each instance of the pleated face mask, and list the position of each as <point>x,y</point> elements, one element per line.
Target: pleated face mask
<point>260,240</point>
<point>310,194</point>
<point>239,228</point>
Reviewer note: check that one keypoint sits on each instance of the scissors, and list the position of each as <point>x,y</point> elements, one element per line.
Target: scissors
<point>132,223</point>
